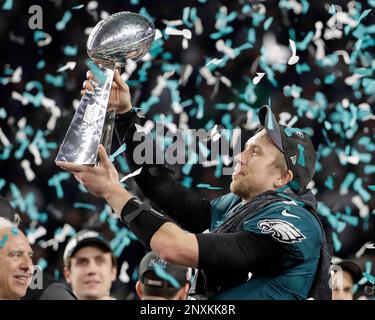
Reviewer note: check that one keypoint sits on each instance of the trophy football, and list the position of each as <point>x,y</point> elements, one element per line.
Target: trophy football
<point>121,36</point>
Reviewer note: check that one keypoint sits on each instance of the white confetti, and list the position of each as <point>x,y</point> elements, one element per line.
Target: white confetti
<point>69,66</point>
<point>185,74</point>
<point>33,235</point>
<point>363,209</point>
<point>361,251</point>
<point>35,152</point>
<point>345,56</point>
<point>186,33</point>
<point>19,97</point>
<point>172,23</point>
<point>146,128</point>
<point>352,79</point>
<point>215,61</point>
<point>135,173</point>
<point>259,76</point>
<point>206,73</point>
<point>3,138</point>
<point>221,47</point>
<point>50,105</point>
<point>226,81</point>
<point>123,276</point>
<point>29,173</point>
<point>294,58</point>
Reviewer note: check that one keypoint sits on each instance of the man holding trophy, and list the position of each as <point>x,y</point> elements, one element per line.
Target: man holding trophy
<point>260,245</point>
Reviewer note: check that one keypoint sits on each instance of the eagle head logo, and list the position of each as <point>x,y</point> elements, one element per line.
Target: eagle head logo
<point>281,230</point>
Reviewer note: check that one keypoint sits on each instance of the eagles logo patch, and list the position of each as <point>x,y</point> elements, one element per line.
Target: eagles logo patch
<point>281,230</point>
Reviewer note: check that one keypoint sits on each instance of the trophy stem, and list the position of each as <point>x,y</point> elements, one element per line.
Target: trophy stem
<point>85,132</point>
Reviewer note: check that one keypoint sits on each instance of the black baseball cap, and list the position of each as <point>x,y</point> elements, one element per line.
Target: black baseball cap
<point>296,146</point>
<point>353,268</point>
<point>156,272</point>
<point>8,212</point>
<point>82,239</point>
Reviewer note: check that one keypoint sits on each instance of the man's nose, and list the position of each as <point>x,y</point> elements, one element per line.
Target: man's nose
<point>238,158</point>
<point>92,267</point>
<point>27,264</point>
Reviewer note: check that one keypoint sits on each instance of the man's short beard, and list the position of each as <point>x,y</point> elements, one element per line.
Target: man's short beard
<point>239,189</point>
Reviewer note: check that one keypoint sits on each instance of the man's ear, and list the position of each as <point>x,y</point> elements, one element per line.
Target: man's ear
<point>67,275</point>
<point>138,289</point>
<point>284,179</point>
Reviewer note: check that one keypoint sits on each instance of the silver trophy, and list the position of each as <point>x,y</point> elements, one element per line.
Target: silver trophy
<point>121,36</point>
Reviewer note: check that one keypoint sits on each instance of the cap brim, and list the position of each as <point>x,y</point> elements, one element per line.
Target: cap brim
<point>88,242</point>
<point>268,121</point>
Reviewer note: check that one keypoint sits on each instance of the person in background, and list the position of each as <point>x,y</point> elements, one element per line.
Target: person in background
<point>50,289</point>
<point>344,278</point>
<point>160,280</point>
<point>16,266</point>
<point>90,266</point>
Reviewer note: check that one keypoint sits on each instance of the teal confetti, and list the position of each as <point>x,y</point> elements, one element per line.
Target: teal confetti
<point>40,35</point>
<point>57,274</point>
<point>336,242</point>
<point>125,241</point>
<point>99,74</point>
<point>329,79</point>
<point>161,273</point>
<point>302,67</point>
<point>70,50</point>
<point>329,183</point>
<point>78,7</point>
<point>302,46</point>
<point>2,183</point>
<point>80,205</point>
<point>124,167</point>
<point>301,155</point>
<point>119,151</point>
<point>15,231</point>
<point>134,277</point>
<point>8,4</point>
<point>267,23</point>
<point>57,81</point>
<point>349,219</point>
<point>42,263</point>
<point>219,168</point>
<point>144,13</point>
<point>65,19</point>
<point>372,187</point>
<point>41,64</point>
<point>146,105</point>
<point>226,120</point>
<point>207,186</point>
<point>357,186</point>
<point>5,154</point>
<point>55,181</point>
<point>4,240</point>
<point>187,182</point>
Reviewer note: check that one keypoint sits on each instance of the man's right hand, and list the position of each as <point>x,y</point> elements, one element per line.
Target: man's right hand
<point>120,94</point>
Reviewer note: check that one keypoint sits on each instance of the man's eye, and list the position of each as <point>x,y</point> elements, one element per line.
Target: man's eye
<point>15,254</point>
<point>81,262</point>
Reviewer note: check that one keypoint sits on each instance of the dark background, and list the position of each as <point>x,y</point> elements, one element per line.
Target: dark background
<point>339,116</point>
